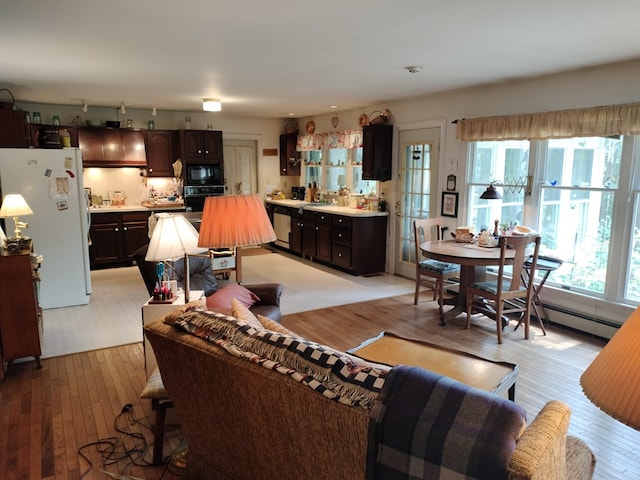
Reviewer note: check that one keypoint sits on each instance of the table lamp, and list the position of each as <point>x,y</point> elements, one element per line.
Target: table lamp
<point>612,381</point>
<point>174,237</point>
<point>14,205</point>
<point>233,221</point>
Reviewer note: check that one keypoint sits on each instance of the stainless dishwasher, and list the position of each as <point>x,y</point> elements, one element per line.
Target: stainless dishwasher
<point>281,225</point>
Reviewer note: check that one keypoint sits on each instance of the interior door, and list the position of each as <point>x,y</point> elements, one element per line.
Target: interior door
<point>418,152</point>
<point>240,167</point>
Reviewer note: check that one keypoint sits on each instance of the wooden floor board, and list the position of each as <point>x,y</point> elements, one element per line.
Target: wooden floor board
<point>47,414</point>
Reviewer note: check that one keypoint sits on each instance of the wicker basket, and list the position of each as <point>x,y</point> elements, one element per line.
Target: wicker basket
<point>7,105</point>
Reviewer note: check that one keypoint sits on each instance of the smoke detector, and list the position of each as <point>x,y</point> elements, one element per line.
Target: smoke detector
<point>413,68</point>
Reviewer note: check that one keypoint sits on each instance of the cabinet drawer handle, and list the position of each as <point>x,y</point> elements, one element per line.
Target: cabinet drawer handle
<point>124,228</point>
<point>339,235</point>
<point>116,229</point>
<point>199,151</point>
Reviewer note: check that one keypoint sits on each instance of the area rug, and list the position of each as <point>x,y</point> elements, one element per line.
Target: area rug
<point>310,286</point>
<point>113,316</point>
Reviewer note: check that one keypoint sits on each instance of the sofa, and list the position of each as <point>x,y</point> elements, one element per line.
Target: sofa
<point>244,421</point>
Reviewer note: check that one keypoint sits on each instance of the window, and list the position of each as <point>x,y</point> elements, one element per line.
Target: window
<point>572,202</point>
<point>334,168</point>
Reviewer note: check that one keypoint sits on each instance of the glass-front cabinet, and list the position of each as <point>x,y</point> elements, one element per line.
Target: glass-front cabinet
<point>334,169</point>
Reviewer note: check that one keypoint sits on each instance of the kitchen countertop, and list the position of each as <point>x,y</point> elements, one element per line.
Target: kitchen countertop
<point>137,208</point>
<point>327,208</point>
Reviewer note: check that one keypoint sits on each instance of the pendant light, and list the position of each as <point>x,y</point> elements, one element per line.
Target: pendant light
<point>491,193</point>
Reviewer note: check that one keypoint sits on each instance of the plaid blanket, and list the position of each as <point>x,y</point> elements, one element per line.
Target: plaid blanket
<point>427,426</point>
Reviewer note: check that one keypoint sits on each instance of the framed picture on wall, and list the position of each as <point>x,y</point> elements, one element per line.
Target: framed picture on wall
<point>450,204</point>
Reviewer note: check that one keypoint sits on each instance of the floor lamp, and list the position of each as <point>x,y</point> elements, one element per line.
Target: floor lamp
<point>612,381</point>
<point>233,221</point>
<point>174,237</point>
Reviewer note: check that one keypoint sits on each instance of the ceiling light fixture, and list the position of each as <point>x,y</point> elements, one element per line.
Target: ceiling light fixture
<point>85,107</point>
<point>211,105</point>
<point>122,109</point>
<point>413,68</point>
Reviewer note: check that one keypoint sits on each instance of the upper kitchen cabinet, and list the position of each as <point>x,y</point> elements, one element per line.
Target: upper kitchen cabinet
<point>200,147</point>
<point>377,147</point>
<point>112,147</point>
<point>289,158</point>
<point>35,137</point>
<point>13,129</point>
<point>160,154</point>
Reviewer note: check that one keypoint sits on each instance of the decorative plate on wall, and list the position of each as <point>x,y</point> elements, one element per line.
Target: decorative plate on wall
<point>363,120</point>
<point>310,127</point>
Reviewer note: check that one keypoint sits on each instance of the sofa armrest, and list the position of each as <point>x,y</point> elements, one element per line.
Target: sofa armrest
<point>540,452</point>
<point>269,293</point>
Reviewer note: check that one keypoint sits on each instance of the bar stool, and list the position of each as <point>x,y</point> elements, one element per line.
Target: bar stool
<point>545,265</point>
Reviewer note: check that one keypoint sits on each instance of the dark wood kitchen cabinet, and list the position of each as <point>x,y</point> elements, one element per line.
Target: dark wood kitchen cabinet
<point>112,147</point>
<point>316,235</point>
<point>160,153</point>
<point>14,131</point>
<point>116,236</point>
<point>200,147</point>
<point>34,133</point>
<point>377,148</point>
<point>359,244</point>
<point>297,225</point>
<point>20,313</point>
<point>354,244</point>
<point>289,157</point>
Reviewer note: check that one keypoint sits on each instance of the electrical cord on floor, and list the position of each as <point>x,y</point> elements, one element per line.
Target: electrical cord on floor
<point>130,446</point>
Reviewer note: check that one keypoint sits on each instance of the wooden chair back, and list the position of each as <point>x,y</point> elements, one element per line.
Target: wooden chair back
<point>423,231</point>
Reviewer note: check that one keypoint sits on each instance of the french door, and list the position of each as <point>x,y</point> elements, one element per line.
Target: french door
<point>418,152</point>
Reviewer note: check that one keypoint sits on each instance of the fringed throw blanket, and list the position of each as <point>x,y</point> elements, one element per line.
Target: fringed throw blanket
<point>335,375</point>
<point>427,426</point>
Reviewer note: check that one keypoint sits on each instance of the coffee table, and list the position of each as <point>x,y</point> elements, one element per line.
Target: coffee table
<point>478,372</point>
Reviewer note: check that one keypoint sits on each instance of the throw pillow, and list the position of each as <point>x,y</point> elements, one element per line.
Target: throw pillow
<point>154,387</point>
<point>222,297</point>
<point>274,326</point>
<point>243,314</point>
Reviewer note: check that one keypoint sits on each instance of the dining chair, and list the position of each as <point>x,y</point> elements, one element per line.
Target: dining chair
<point>508,293</point>
<point>439,272</point>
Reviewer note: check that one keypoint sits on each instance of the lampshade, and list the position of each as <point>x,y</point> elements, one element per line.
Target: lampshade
<point>491,193</point>
<point>234,221</point>
<point>14,205</point>
<point>612,381</point>
<point>173,236</point>
<point>211,105</point>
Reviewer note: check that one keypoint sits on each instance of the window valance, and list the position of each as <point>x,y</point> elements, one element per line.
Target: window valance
<point>321,141</point>
<point>583,122</point>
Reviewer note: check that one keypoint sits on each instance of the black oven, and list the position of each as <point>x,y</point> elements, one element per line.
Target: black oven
<point>195,195</point>
<point>203,175</point>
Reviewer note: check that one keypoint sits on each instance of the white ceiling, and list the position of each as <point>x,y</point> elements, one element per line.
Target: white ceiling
<point>273,58</point>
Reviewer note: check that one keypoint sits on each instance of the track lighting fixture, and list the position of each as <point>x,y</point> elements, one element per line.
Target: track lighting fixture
<point>85,107</point>
<point>122,109</point>
<point>154,112</point>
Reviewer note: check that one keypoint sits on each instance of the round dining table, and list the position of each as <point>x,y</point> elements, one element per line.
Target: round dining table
<point>473,260</point>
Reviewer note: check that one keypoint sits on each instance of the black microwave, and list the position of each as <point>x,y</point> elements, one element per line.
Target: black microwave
<point>203,175</point>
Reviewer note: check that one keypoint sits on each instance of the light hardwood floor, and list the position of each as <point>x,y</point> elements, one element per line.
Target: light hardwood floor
<point>47,414</point>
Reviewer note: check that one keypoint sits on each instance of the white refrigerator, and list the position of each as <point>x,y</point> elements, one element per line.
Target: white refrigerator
<point>50,180</point>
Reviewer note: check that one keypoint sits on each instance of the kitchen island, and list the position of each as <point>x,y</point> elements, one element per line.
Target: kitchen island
<point>349,239</point>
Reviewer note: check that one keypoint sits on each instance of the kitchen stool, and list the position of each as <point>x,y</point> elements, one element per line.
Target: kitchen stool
<point>545,265</point>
